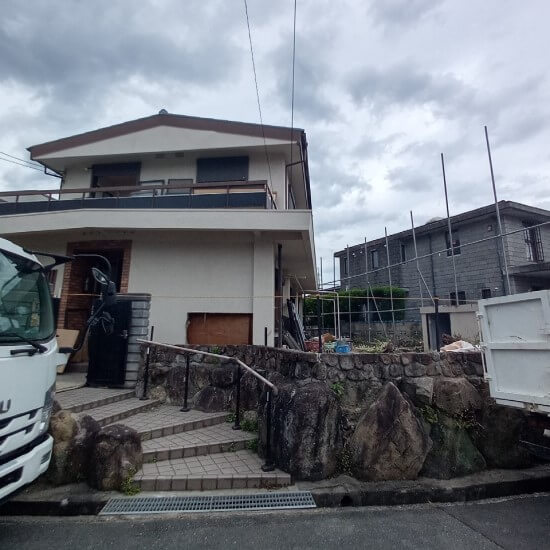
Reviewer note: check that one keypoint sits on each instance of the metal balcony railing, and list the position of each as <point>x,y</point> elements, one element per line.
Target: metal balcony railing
<point>228,194</point>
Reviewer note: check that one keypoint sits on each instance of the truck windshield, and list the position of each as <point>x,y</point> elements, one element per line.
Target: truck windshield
<point>25,302</point>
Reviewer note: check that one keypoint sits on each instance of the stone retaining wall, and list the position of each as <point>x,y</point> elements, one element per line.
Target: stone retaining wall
<point>374,416</point>
<point>357,377</point>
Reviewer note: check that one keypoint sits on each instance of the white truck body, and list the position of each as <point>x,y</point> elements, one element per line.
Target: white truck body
<point>516,343</point>
<point>27,379</point>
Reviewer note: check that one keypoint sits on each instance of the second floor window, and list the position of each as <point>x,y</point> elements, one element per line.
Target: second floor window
<point>111,176</point>
<point>403,252</point>
<point>222,169</point>
<point>456,244</point>
<point>374,259</point>
<point>344,263</point>
<point>533,243</point>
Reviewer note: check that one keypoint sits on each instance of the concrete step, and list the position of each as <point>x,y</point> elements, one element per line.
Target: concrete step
<point>83,399</point>
<point>230,470</point>
<point>120,412</point>
<point>199,442</point>
<point>167,420</point>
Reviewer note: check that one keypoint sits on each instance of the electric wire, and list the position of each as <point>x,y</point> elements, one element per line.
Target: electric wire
<point>32,163</point>
<point>20,164</point>
<point>257,91</point>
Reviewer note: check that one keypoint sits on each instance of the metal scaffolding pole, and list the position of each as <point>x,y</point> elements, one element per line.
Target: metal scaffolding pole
<point>449,227</point>
<point>333,271</point>
<point>389,279</point>
<point>417,262</point>
<point>349,297</point>
<point>368,285</point>
<point>507,290</point>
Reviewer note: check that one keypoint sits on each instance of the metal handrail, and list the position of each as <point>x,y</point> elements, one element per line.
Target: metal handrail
<point>269,465</point>
<point>217,355</point>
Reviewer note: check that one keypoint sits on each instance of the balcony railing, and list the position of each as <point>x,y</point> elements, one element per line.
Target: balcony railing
<point>234,194</point>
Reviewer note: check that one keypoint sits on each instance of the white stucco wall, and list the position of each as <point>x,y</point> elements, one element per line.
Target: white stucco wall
<point>192,273</point>
<point>163,138</point>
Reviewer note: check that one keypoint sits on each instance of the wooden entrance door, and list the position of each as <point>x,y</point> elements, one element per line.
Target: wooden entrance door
<point>219,329</point>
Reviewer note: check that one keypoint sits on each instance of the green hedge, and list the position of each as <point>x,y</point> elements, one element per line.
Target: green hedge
<point>358,300</point>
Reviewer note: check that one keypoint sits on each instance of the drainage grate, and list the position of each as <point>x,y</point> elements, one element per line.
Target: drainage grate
<point>204,503</point>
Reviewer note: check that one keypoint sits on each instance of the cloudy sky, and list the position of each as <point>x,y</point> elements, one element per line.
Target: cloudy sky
<point>382,88</point>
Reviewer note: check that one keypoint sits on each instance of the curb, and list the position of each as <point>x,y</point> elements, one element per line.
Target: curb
<point>346,491</point>
<point>332,493</point>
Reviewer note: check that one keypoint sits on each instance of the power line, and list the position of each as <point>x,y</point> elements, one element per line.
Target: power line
<point>32,163</point>
<point>21,164</point>
<point>293,73</point>
<point>257,90</point>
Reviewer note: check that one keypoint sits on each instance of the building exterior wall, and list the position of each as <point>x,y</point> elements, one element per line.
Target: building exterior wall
<point>186,272</point>
<point>211,274</point>
<point>478,266</point>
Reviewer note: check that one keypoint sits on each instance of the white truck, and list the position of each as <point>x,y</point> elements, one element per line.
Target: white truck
<point>28,359</point>
<point>516,344</point>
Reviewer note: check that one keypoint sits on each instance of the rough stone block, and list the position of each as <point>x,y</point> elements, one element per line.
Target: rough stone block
<point>415,369</point>
<point>346,362</point>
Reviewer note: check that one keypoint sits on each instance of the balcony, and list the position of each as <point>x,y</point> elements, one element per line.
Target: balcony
<point>236,194</point>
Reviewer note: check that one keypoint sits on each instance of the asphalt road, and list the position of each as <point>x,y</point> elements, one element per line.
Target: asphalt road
<point>521,522</point>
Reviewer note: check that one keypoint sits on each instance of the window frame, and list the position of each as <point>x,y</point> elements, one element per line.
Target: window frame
<point>461,298</point>
<point>456,244</point>
<point>375,254</point>
<point>533,242</point>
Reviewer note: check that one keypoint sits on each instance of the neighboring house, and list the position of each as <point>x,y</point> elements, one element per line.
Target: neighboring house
<point>190,210</point>
<point>479,267</point>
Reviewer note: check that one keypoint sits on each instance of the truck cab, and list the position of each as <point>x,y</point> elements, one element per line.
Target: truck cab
<point>28,358</point>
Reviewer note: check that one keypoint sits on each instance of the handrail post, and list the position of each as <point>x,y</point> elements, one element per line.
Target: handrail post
<point>237,425</point>
<point>185,407</point>
<point>146,370</point>
<point>319,335</point>
<point>268,466</point>
<point>436,319</point>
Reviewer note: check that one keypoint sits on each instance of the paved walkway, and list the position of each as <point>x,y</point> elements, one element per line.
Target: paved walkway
<point>69,381</point>
<point>512,524</point>
<point>182,451</point>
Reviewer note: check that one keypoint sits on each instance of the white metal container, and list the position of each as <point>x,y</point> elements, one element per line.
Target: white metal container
<point>516,343</point>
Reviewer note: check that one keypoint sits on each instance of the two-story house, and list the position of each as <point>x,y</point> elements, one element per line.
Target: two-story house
<point>200,213</point>
<point>480,267</point>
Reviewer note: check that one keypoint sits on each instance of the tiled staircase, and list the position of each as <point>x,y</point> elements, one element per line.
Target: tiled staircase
<point>182,451</point>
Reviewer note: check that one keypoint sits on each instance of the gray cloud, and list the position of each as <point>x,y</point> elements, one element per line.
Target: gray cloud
<point>400,85</point>
<point>401,12</point>
<point>378,100</point>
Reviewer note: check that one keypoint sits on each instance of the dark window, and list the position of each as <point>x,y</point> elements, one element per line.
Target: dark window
<point>374,259</point>
<point>461,298</point>
<point>456,244</point>
<point>222,169</point>
<point>533,243</point>
<point>116,175</point>
<point>485,293</point>
<point>344,263</point>
<point>403,252</point>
